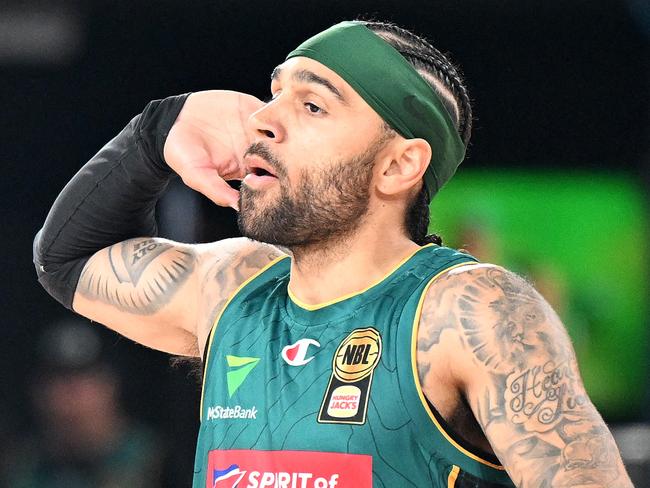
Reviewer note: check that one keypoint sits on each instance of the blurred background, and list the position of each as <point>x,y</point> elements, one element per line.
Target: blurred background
<point>554,187</point>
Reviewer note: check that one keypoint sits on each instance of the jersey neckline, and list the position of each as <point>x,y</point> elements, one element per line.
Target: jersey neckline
<point>334,309</point>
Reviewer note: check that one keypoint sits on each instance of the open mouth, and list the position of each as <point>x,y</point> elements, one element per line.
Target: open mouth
<point>261,172</point>
<point>258,173</point>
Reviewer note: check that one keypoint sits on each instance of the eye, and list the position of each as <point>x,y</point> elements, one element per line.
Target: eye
<point>314,109</point>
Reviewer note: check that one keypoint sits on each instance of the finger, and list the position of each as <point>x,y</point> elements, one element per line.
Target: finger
<point>184,149</point>
<point>210,184</point>
<point>249,103</point>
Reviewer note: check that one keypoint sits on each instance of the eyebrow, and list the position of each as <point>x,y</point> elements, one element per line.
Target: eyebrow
<point>306,76</point>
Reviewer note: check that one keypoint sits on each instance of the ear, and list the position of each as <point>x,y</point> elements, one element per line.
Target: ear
<point>403,166</point>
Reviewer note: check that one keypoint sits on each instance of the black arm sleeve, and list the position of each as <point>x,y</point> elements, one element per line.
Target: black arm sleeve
<point>110,199</point>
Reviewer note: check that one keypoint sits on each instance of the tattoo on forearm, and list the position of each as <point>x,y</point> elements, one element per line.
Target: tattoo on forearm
<point>138,282</point>
<point>534,405</point>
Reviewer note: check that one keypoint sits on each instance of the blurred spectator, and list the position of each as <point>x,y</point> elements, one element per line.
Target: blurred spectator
<point>82,438</point>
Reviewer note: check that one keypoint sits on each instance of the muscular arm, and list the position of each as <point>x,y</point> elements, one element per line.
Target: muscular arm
<point>164,294</point>
<point>508,353</point>
<point>88,255</point>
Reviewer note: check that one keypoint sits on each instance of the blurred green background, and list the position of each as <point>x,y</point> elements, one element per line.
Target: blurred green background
<point>580,237</point>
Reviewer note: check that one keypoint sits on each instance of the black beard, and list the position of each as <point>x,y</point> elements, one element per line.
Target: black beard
<point>327,206</point>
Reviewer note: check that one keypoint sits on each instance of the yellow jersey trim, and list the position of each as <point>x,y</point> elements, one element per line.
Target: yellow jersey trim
<point>216,321</point>
<point>416,378</point>
<point>453,475</point>
<point>317,306</point>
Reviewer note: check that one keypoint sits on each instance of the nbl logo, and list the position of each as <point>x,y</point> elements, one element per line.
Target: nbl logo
<point>357,355</point>
<point>346,397</point>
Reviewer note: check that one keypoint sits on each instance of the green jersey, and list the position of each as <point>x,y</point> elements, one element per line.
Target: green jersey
<point>300,396</point>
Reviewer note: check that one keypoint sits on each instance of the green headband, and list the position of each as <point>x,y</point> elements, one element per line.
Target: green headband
<point>394,89</point>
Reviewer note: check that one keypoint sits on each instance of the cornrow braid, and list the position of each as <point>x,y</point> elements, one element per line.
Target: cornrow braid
<point>437,70</point>
<point>447,75</point>
<point>430,62</point>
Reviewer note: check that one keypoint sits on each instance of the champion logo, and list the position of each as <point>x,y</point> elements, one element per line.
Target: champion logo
<point>296,354</point>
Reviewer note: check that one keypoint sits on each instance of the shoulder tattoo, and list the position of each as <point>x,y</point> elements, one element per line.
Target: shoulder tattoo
<point>530,400</point>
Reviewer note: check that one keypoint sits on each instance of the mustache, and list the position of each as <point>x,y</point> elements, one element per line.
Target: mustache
<point>261,150</point>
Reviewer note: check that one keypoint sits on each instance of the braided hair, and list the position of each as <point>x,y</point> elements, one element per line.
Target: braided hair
<point>447,82</point>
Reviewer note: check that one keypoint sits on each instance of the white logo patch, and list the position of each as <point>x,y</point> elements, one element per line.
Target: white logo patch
<point>217,412</point>
<point>296,354</point>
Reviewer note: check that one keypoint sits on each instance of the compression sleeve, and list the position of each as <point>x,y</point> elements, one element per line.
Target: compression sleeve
<point>110,199</point>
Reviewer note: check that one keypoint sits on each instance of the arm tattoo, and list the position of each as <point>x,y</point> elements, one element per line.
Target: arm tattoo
<point>530,401</point>
<point>138,275</point>
<point>229,271</point>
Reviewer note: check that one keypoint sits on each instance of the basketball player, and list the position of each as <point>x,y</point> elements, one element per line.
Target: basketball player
<point>342,346</point>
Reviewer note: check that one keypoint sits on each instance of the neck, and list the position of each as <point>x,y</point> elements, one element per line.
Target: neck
<point>328,270</point>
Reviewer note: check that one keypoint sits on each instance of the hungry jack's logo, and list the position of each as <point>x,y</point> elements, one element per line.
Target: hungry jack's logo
<point>346,397</point>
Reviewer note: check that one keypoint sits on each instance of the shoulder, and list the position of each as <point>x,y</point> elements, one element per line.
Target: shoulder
<point>223,267</point>
<point>490,321</point>
<point>499,344</point>
<point>482,282</point>
<point>239,250</point>
<point>489,314</point>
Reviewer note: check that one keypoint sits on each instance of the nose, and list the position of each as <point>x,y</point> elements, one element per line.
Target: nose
<point>265,124</point>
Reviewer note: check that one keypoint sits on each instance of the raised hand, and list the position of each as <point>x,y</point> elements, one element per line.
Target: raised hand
<point>208,140</point>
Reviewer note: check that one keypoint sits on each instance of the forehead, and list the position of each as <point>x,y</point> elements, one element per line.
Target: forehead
<point>353,107</point>
<point>297,69</point>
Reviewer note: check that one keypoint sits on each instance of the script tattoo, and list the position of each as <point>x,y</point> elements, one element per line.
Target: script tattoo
<point>530,401</point>
<point>539,396</point>
<point>138,281</point>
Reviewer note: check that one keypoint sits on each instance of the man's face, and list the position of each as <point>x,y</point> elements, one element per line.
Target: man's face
<point>319,139</point>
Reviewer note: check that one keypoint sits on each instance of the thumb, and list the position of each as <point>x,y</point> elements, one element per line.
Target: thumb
<point>209,183</point>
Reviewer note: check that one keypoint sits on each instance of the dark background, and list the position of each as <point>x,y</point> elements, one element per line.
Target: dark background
<point>555,84</point>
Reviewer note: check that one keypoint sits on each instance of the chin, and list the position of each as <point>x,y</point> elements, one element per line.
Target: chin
<point>255,235</point>
<point>253,226</point>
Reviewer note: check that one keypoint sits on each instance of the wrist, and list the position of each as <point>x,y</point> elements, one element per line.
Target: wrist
<point>153,127</point>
